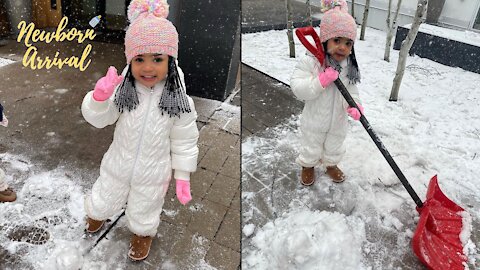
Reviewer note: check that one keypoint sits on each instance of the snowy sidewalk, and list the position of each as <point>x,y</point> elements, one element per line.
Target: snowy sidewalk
<point>52,156</point>
<point>368,221</point>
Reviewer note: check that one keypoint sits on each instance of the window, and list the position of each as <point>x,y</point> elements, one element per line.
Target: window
<point>476,24</point>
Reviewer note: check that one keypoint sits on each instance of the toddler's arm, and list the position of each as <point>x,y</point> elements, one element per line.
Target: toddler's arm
<point>353,112</point>
<point>183,144</point>
<point>305,82</point>
<point>98,108</point>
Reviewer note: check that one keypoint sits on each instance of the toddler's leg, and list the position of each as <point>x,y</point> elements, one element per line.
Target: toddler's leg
<point>311,149</point>
<point>145,202</point>
<point>334,151</point>
<point>310,153</point>
<point>108,196</point>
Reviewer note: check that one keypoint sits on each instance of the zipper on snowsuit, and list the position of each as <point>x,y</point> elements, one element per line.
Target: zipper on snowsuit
<point>141,135</point>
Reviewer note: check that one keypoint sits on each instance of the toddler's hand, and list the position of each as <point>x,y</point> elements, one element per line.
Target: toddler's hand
<point>354,113</point>
<point>327,76</point>
<point>106,85</point>
<point>183,191</point>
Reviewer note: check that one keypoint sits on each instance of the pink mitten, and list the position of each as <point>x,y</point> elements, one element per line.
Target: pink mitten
<point>105,86</point>
<point>327,76</point>
<point>354,113</point>
<point>183,191</point>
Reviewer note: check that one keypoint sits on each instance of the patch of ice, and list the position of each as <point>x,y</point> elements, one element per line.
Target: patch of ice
<point>61,91</point>
<point>4,62</point>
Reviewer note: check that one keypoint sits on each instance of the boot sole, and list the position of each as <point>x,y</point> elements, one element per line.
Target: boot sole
<point>98,229</point>
<point>5,200</point>
<point>307,185</point>
<point>338,181</point>
<point>136,259</point>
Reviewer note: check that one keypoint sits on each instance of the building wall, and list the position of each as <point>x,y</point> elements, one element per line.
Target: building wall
<point>4,22</point>
<point>455,13</point>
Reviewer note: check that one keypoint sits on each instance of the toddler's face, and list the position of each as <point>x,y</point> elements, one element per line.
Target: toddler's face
<point>149,68</point>
<point>339,48</point>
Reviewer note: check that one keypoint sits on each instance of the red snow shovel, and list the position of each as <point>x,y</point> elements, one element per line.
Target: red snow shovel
<point>436,241</point>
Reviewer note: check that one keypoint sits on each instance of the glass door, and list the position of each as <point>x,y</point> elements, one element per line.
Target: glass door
<point>115,15</point>
<point>112,24</point>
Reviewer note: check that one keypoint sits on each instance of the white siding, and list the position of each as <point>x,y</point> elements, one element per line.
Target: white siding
<point>456,13</point>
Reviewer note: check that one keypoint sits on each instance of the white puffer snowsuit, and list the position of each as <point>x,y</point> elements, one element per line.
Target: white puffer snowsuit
<point>138,165</point>
<point>323,123</point>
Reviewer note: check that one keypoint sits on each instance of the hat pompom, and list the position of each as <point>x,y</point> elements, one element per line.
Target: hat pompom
<point>158,8</point>
<point>327,5</point>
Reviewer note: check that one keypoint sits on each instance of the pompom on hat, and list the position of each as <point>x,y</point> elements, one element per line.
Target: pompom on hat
<point>336,22</point>
<point>149,30</point>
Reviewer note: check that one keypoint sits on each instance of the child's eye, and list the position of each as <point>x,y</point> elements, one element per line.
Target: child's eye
<point>349,43</point>
<point>157,60</point>
<point>139,59</point>
<point>336,40</point>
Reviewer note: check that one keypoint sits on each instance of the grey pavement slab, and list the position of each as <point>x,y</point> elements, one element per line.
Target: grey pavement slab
<point>266,102</point>
<point>48,133</point>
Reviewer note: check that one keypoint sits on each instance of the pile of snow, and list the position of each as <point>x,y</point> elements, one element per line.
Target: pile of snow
<point>306,239</point>
<point>49,201</point>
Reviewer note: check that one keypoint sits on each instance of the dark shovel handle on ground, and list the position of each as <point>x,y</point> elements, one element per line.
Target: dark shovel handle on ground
<point>103,234</point>
<point>379,143</point>
<point>436,241</point>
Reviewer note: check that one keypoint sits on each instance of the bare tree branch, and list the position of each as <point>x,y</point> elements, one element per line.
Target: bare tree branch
<point>309,12</point>
<point>365,19</point>
<point>391,27</point>
<point>405,48</point>
<point>291,44</point>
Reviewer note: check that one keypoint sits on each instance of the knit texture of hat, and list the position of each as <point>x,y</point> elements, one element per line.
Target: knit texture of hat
<point>336,22</point>
<point>149,30</point>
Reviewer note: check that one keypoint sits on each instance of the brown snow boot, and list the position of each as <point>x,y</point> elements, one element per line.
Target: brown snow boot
<point>94,225</point>
<point>139,247</point>
<point>308,176</point>
<point>8,195</point>
<point>335,173</point>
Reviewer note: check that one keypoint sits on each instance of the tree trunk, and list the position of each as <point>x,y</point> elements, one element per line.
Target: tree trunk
<point>391,26</point>
<point>309,13</point>
<point>405,48</point>
<point>365,19</point>
<point>291,44</point>
<point>353,9</point>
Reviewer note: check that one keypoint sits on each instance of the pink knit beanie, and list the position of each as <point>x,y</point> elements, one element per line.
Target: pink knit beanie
<point>149,30</point>
<point>336,22</point>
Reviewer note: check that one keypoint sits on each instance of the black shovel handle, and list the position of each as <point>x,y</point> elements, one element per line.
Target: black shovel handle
<point>379,143</point>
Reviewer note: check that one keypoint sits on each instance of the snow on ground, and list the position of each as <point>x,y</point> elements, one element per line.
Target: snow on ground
<point>434,128</point>
<point>4,62</point>
<point>44,228</point>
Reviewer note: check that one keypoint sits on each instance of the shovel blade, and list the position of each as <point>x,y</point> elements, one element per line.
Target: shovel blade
<point>436,242</point>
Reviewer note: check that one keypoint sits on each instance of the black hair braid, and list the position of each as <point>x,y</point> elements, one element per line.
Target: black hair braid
<point>126,96</point>
<point>174,100</point>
